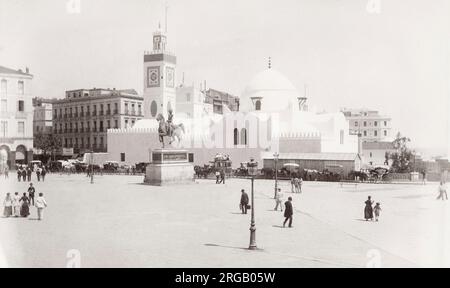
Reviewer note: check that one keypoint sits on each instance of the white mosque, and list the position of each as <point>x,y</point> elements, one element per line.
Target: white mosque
<point>273,119</point>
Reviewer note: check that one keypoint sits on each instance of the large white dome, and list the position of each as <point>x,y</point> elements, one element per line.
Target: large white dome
<point>274,91</point>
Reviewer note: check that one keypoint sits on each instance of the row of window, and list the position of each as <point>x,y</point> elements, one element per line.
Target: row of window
<point>4,105</point>
<point>4,87</point>
<point>84,142</point>
<point>75,128</point>
<point>375,123</point>
<point>80,111</point>
<point>4,128</point>
<point>375,133</point>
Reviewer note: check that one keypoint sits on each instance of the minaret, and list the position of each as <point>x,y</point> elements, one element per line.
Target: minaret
<point>159,78</point>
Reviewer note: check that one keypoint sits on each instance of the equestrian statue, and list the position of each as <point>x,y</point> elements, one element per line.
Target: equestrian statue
<point>168,129</point>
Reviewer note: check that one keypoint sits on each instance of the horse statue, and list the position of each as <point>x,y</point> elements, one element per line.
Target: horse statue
<point>168,129</point>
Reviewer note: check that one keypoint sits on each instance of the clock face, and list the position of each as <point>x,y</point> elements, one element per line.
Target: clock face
<point>153,77</point>
<point>170,77</point>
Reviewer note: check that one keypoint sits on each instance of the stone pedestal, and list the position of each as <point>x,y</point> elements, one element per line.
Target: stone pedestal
<point>169,167</point>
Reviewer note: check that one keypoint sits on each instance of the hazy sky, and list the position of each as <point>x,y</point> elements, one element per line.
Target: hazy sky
<point>396,60</point>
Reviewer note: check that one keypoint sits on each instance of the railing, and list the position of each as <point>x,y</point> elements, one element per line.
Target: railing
<point>116,111</point>
<point>108,112</point>
<point>94,113</point>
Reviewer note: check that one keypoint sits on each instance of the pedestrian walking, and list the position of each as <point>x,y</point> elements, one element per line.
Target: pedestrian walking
<point>442,191</point>
<point>244,202</point>
<point>279,200</point>
<point>28,173</point>
<point>19,174</point>
<point>368,210</point>
<point>217,177</point>
<point>7,206</point>
<point>16,204</point>
<point>300,183</point>
<point>24,175</point>
<point>38,174</point>
<point>31,192</point>
<point>288,212</point>
<point>222,176</point>
<point>376,211</point>
<point>292,185</point>
<point>6,172</point>
<point>43,173</point>
<point>41,204</point>
<point>25,206</point>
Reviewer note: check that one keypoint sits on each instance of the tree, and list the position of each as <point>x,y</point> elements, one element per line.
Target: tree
<point>401,159</point>
<point>47,143</point>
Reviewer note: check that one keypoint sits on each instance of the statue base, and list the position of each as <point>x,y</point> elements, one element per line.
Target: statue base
<point>169,167</point>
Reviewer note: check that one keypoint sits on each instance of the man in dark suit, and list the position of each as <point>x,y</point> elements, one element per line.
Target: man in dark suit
<point>288,212</point>
<point>244,201</point>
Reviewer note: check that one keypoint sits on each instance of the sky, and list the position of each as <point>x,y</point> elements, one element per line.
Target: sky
<point>393,55</point>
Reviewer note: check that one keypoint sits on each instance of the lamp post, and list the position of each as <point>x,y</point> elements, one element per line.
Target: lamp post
<point>275,158</point>
<point>252,170</point>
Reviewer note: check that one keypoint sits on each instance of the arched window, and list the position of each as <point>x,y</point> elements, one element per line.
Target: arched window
<point>236,136</point>
<point>244,136</point>
<point>258,105</point>
<point>154,108</point>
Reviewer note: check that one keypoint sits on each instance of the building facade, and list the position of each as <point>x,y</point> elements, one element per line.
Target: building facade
<point>82,119</point>
<point>42,116</point>
<point>369,124</point>
<point>271,117</point>
<point>16,117</point>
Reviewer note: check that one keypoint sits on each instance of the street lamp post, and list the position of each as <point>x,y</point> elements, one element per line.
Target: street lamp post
<point>275,158</point>
<point>252,169</point>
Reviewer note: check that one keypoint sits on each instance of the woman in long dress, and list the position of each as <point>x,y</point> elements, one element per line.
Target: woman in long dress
<point>7,204</point>
<point>16,204</point>
<point>368,210</point>
<point>25,209</point>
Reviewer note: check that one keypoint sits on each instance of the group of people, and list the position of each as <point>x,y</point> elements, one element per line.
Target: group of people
<point>372,212</point>
<point>24,174</point>
<point>19,206</point>
<point>288,210</point>
<point>296,185</point>
<point>220,177</point>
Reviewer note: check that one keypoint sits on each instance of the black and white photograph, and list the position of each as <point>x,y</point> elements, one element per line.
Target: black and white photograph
<point>225,134</point>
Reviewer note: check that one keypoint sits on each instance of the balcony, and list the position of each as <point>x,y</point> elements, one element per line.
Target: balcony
<point>76,115</point>
<point>88,114</point>
<point>108,112</point>
<point>94,113</point>
<point>81,114</point>
<point>116,111</point>
<point>101,113</point>
<point>127,112</point>
<point>133,112</point>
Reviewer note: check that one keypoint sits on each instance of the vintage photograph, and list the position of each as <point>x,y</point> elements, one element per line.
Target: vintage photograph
<point>224,134</point>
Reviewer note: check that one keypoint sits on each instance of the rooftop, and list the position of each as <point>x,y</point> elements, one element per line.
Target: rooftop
<point>314,156</point>
<point>5,70</point>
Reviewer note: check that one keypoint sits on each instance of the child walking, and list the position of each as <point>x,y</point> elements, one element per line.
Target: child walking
<point>376,211</point>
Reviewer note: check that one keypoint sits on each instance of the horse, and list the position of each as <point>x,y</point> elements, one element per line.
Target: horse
<point>169,130</point>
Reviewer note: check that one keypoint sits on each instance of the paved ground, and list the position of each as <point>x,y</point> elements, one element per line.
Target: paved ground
<point>117,222</point>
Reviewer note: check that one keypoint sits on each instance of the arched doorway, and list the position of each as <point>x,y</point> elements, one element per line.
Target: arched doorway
<point>21,155</point>
<point>4,157</point>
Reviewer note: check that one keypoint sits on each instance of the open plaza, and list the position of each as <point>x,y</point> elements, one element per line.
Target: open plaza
<point>119,222</point>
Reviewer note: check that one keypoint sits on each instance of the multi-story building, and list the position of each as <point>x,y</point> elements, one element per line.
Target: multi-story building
<point>220,99</point>
<point>43,116</point>
<point>82,119</point>
<point>16,117</point>
<point>369,124</point>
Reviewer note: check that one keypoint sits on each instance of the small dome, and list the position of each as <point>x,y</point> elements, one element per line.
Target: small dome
<point>274,91</point>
